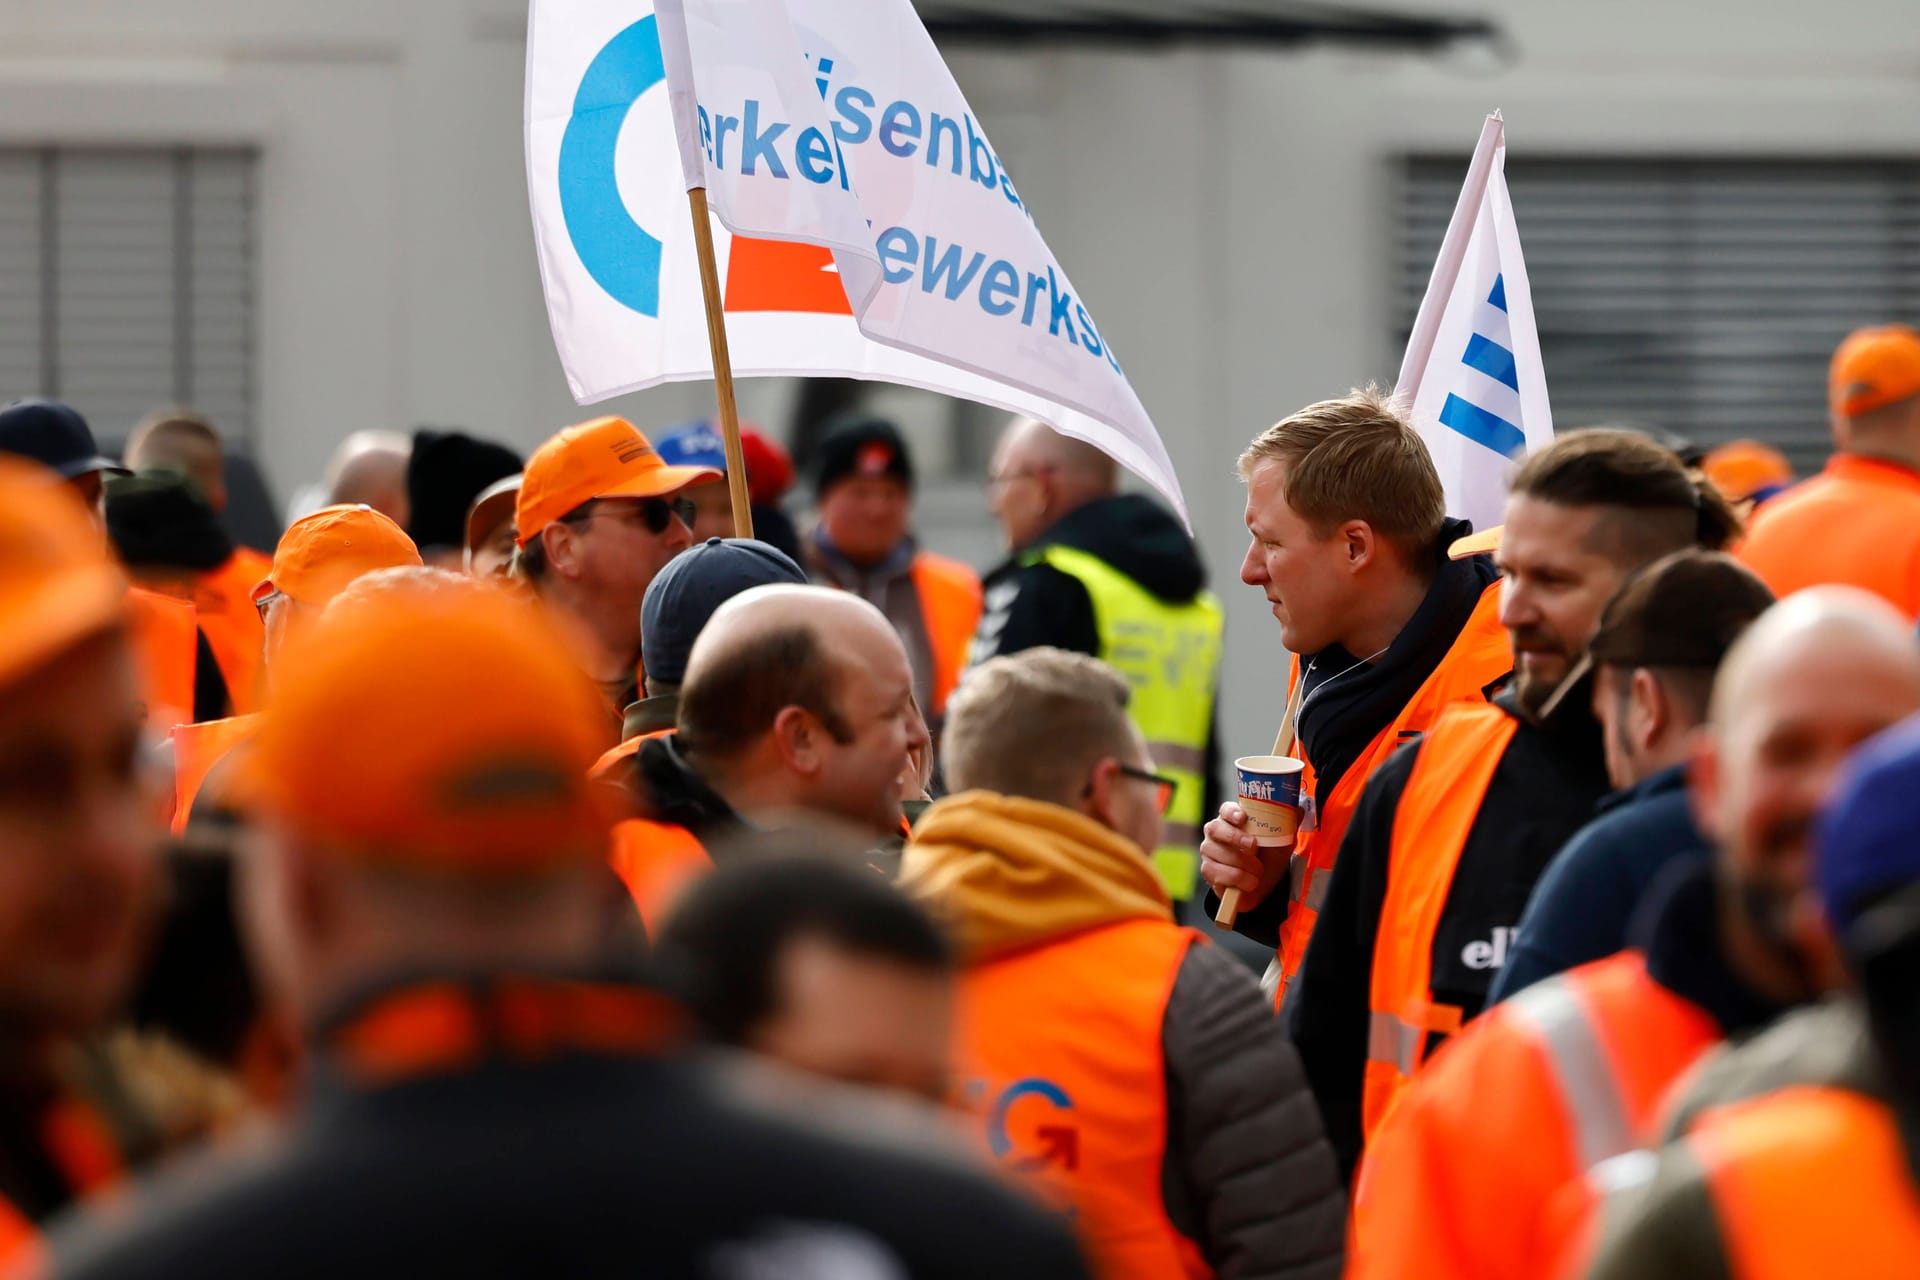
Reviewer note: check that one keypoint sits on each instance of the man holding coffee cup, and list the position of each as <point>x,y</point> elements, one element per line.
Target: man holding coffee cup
<point>1450,835</point>
<point>1350,540</point>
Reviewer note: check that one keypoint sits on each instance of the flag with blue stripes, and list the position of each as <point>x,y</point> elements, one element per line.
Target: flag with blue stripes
<point>1472,376</point>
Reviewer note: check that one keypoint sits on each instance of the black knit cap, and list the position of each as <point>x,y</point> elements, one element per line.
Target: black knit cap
<point>446,472</point>
<point>159,520</point>
<point>861,446</point>
<point>1684,610</point>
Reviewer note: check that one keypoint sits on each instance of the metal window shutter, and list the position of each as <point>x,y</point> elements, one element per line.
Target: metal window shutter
<point>126,282</point>
<point>1701,296</point>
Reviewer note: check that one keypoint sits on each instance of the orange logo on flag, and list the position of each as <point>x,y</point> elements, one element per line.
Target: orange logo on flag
<point>778,275</point>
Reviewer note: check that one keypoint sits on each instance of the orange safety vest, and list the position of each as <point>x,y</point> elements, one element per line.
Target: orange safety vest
<point>1437,811</point>
<point>196,749</point>
<point>950,606</point>
<point>1857,522</point>
<point>1061,1046</point>
<point>656,861</point>
<point>630,747</point>
<point>1811,1182</point>
<point>1458,1181</point>
<point>165,638</point>
<point>1480,659</point>
<point>21,1252</point>
<point>224,599</point>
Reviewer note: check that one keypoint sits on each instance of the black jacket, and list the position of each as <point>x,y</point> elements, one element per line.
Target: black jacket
<point>1347,701</point>
<point>581,1162</point>
<point>1247,1173</point>
<point>1030,605</point>
<point>668,790</point>
<point>1544,788</point>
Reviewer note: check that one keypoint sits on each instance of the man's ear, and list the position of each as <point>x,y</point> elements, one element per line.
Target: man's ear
<point>799,738</point>
<point>1703,783</point>
<point>562,543</point>
<point>1650,708</point>
<point>1361,544</point>
<point>1098,802</point>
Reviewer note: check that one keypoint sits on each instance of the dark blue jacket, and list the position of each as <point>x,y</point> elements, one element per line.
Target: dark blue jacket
<point>1580,909</point>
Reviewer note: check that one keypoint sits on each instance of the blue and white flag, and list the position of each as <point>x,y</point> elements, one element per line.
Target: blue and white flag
<point>1472,375</point>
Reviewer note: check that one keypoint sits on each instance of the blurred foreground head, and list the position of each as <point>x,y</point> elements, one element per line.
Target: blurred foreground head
<point>1817,675</point>
<point>422,780</point>
<point>79,870</point>
<point>818,964</point>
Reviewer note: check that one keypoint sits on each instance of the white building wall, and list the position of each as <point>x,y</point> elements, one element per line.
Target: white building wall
<point>1226,214</point>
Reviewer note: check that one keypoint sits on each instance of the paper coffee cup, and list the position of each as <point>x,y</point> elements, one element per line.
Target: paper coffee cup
<point>1269,791</point>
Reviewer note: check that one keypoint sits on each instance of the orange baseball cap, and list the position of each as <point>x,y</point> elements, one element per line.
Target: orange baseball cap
<point>605,458</point>
<point>59,585</point>
<point>320,554</point>
<point>444,726</point>
<point>1874,368</point>
<point>1739,469</point>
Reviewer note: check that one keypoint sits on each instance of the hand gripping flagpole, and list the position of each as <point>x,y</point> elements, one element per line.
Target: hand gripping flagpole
<point>722,363</point>
<point>1282,746</point>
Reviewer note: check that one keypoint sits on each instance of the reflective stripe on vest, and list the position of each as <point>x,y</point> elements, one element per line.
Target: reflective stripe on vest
<point>1811,1182</point>
<point>1577,1054</point>
<point>950,608</point>
<point>656,861</point>
<point>1481,658</point>
<point>1060,1046</point>
<point>1457,760</point>
<point>166,643</point>
<point>196,749</point>
<point>1170,655</point>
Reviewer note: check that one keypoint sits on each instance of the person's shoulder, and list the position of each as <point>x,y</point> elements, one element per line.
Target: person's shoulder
<point>890,1168</point>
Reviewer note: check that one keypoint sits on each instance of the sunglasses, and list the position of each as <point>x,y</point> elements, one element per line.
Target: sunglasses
<point>1164,786</point>
<point>656,514</point>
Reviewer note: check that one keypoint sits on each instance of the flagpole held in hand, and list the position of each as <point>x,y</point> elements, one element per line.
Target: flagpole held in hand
<point>722,363</point>
<point>1282,746</point>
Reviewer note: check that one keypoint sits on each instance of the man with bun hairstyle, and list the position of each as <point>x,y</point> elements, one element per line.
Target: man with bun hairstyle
<point>1857,522</point>
<point>1468,1177</point>
<point>493,1088</point>
<point>1452,832</point>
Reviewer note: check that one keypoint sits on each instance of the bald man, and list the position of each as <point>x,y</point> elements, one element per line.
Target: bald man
<point>370,468</point>
<point>796,700</point>
<point>1718,950</point>
<point>1112,575</point>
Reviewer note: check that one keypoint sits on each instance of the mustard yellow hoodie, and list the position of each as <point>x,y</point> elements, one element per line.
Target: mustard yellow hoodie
<point>1006,873</point>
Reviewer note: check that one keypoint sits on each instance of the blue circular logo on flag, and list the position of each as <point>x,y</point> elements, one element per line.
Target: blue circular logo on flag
<point>617,252</point>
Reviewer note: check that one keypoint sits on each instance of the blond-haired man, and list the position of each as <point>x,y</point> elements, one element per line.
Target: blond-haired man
<point>1349,545</point>
<point>1133,1077</point>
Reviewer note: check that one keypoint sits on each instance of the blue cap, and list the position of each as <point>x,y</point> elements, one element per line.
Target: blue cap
<point>54,435</point>
<point>683,596</point>
<point>1868,839</point>
<point>698,445</point>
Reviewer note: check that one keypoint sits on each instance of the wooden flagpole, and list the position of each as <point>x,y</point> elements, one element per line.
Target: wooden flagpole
<point>1282,746</point>
<point>722,364</point>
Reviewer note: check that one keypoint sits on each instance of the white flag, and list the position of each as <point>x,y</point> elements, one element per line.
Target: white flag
<point>868,228</point>
<point>1472,372</point>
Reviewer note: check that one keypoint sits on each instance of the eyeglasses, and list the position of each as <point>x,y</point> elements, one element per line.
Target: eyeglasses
<point>265,600</point>
<point>656,514</point>
<point>1166,786</point>
<point>997,478</point>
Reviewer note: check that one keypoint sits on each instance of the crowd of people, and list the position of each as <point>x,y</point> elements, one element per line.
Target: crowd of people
<point>515,872</point>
